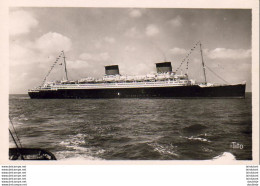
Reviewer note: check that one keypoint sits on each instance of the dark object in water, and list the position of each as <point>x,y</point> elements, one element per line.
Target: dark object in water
<point>30,154</point>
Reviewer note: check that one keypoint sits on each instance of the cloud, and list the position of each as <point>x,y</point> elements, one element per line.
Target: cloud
<point>130,48</point>
<point>135,13</point>
<point>86,56</point>
<point>178,51</point>
<point>152,30</point>
<point>176,22</point>
<point>136,68</point>
<point>44,49</point>
<point>53,42</point>
<point>20,54</point>
<point>196,61</point>
<point>21,22</point>
<point>224,53</point>
<point>77,64</point>
<point>132,32</point>
<point>31,60</point>
<point>109,39</point>
<point>97,44</point>
<point>25,53</point>
<point>103,56</point>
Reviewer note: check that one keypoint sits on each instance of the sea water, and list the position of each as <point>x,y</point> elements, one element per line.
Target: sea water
<point>135,129</point>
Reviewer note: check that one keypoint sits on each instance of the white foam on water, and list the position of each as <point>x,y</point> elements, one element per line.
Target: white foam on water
<point>23,117</point>
<point>72,156</point>
<point>80,159</point>
<point>64,143</point>
<point>205,149</point>
<point>199,139</point>
<point>78,151</point>
<point>164,149</point>
<point>224,157</point>
<point>74,140</point>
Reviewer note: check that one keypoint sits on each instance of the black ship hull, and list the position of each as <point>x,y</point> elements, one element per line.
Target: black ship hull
<point>192,91</point>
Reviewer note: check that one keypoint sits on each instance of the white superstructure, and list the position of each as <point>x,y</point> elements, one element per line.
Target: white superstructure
<point>118,81</point>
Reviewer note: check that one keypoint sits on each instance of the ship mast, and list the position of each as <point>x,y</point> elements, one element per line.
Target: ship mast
<point>65,65</point>
<point>203,65</point>
<point>45,78</point>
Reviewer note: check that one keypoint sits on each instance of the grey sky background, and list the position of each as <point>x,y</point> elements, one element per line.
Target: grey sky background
<point>135,39</point>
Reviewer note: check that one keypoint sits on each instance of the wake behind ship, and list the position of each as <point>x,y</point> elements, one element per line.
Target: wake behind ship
<point>163,84</point>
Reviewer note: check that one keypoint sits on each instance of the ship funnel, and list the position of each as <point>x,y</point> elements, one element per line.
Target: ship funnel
<point>164,67</point>
<point>112,70</point>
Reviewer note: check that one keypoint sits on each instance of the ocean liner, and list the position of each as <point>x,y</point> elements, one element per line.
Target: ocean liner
<point>163,84</point>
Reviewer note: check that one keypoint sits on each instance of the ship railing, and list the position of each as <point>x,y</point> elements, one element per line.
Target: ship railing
<point>141,78</point>
<point>127,83</point>
<point>112,85</point>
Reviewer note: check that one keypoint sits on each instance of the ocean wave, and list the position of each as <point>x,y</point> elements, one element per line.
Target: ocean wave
<point>80,159</point>
<point>194,128</point>
<point>19,98</point>
<point>197,138</point>
<point>205,149</point>
<point>94,129</point>
<point>74,140</point>
<point>77,149</point>
<point>24,98</point>
<point>225,156</point>
<point>164,149</point>
<point>21,118</point>
<point>72,156</point>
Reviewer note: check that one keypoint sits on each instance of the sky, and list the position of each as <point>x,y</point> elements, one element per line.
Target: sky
<point>133,38</point>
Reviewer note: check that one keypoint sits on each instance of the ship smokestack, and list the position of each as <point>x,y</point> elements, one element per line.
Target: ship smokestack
<point>164,67</point>
<point>112,70</point>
